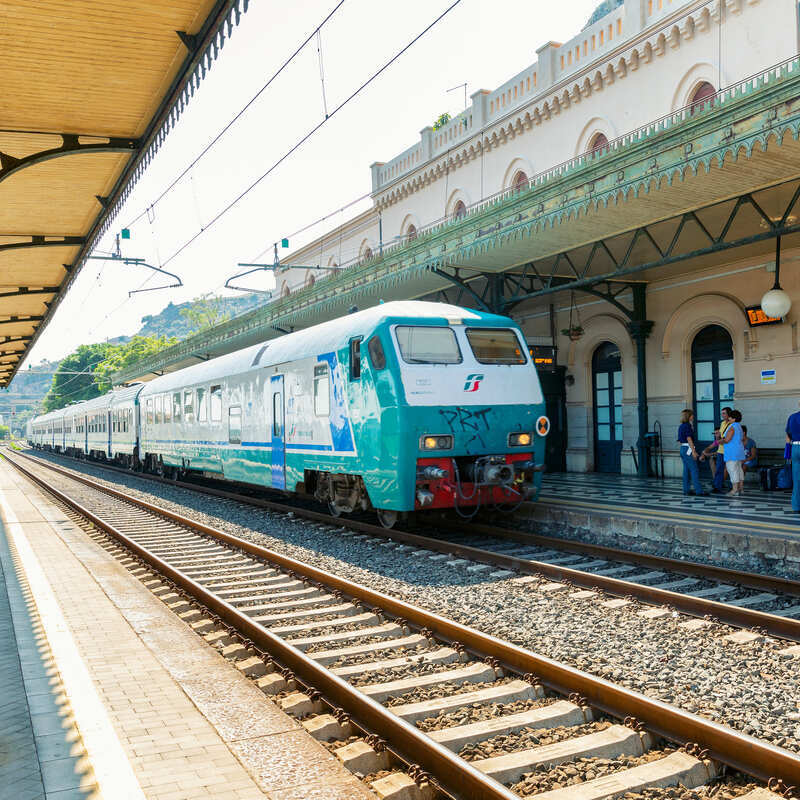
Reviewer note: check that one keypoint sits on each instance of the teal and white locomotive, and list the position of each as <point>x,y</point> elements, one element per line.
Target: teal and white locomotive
<point>403,407</point>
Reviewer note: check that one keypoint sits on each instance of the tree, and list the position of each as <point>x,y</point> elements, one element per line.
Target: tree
<point>75,380</point>
<point>5,432</point>
<point>123,355</point>
<point>442,121</point>
<point>87,372</point>
<point>205,311</point>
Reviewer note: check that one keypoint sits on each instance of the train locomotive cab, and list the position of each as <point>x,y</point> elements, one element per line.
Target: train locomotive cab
<point>475,406</point>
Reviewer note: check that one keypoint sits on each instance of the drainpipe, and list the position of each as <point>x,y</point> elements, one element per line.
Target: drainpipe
<point>639,328</point>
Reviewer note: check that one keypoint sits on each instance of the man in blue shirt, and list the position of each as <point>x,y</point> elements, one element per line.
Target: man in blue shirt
<point>793,438</point>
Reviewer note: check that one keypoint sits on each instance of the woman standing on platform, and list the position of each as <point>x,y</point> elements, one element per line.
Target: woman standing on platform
<point>735,452</point>
<point>687,439</point>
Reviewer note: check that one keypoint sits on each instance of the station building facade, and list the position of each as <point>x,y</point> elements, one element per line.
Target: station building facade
<point>635,62</point>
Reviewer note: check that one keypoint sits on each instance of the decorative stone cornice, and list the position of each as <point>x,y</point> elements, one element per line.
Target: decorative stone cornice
<point>761,114</point>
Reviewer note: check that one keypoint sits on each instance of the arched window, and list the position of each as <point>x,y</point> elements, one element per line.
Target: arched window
<point>286,290</point>
<point>411,233</point>
<point>599,142</point>
<point>367,253</point>
<point>712,378</point>
<point>460,210</point>
<point>311,280</point>
<point>607,387</point>
<point>520,181</point>
<point>702,97</point>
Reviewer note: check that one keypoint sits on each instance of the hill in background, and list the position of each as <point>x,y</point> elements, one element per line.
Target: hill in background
<point>24,397</point>
<point>176,320</point>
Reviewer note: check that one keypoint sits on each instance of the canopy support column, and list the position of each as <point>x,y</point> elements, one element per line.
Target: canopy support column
<point>639,328</point>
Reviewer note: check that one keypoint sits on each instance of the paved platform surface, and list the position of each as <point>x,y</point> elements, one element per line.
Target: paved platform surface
<point>757,532</point>
<point>754,508</point>
<point>107,694</point>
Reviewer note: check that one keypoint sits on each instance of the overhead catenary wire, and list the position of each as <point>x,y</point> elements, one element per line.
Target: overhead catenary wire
<point>220,214</point>
<point>239,113</point>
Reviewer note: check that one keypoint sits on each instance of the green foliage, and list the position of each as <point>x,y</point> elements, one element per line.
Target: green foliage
<point>181,321</point>
<point>96,363</point>
<point>75,379</point>
<point>123,355</point>
<point>205,311</point>
<point>442,121</point>
<point>5,432</point>
<point>87,372</point>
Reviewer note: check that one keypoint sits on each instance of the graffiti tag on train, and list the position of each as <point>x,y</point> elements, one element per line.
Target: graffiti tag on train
<point>466,419</point>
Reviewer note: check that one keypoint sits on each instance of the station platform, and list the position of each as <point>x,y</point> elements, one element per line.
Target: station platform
<point>757,531</point>
<point>106,693</point>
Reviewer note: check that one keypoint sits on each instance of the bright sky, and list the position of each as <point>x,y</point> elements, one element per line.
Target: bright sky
<point>481,42</point>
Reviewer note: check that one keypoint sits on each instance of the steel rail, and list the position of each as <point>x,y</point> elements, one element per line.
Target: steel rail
<point>772,624</point>
<point>738,750</point>
<point>751,580</point>
<point>458,777</point>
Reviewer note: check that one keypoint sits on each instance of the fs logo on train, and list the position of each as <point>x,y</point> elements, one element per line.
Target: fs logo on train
<point>473,382</point>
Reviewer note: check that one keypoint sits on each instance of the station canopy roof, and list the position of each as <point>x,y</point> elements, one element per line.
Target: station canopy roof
<point>90,89</point>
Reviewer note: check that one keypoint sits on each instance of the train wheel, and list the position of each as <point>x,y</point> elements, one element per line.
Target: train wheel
<point>386,518</point>
<point>334,510</point>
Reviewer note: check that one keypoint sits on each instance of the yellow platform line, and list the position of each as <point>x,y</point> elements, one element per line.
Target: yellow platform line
<point>112,770</point>
<point>667,515</point>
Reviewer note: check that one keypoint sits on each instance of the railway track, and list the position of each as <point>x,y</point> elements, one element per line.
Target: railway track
<point>762,603</point>
<point>416,703</point>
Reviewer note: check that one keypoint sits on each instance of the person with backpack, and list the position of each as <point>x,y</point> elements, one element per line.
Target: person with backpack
<point>793,441</point>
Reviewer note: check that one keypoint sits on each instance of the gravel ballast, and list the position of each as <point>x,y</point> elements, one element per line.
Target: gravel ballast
<point>751,687</point>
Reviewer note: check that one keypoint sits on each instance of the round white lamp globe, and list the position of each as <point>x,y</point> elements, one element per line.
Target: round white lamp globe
<point>776,303</point>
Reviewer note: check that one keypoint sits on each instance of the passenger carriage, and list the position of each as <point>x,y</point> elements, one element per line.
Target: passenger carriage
<point>403,407</point>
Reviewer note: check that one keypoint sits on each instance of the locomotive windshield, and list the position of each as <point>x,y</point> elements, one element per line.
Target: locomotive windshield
<point>495,346</point>
<point>428,345</point>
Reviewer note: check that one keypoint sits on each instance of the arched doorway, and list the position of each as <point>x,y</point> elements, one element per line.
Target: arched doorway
<point>520,181</point>
<point>702,97</point>
<point>460,210</point>
<point>598,143</point>
<point>712,378</point>
<point>607,387</point>
<point>411,232</point>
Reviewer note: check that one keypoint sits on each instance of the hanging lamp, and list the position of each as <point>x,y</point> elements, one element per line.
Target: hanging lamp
<point>776,302</point>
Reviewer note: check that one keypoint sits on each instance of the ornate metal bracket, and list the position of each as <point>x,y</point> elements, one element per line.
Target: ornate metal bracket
<point>70,145</point>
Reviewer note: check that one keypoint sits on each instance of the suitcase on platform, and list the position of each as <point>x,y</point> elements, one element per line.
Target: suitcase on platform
<point>775,479</point>
<point>769,478</point>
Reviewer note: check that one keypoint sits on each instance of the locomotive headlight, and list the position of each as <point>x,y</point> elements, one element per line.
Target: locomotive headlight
<point>436,442</point>
<point>519,439</point>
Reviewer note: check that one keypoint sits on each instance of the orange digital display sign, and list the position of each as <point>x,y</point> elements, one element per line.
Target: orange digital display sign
<point>544,356</point>
<point>756,317</point>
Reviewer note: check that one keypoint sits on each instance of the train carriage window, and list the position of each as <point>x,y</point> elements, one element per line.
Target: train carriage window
<point>322,391</point>
<point>277,414</point>
<point>202,407</point>
<point>167,408</point>
<point>149,415</point>
<point>428,344</point>
<point>188,403</point>
<point>355,358</point>
<point>496,346</point>
<point>235,424</point>
<point>159,410</point>
<point>176,406</point>
<point>376,353</point>
<point>216,404</point>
